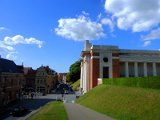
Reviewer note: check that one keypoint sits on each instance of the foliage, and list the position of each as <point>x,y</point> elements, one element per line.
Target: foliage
<point>145,82</point>
<point>74,72</point>
<point>52,111</point>
<point>124,103</point>
<point>76,85</point>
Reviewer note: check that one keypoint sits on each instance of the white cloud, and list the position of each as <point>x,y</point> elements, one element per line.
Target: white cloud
<point>146,43</point>
<point>11,56</point>
<point>153,35</point>
<point>19,39</point>
<point>3,29</point>
<point>85,13</point>
<point>79,29</point>
<point>6,48</point>
<point>106,21</point>
<point>99,16</point>
<point>8,43</point>
<point>137,15</point>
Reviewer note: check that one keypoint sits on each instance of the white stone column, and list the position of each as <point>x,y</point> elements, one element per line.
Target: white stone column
<point>126,69</point>
<point>84,80</point>
<point>154,69</point>
<point>135,69</point>
<point>81,79</point>
<point>145,69</point>
<point>86,74</point>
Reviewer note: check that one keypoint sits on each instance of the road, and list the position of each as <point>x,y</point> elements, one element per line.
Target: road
<point>34,104</point>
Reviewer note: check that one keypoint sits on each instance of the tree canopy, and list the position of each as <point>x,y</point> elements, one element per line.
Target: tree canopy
<point>74,72</point>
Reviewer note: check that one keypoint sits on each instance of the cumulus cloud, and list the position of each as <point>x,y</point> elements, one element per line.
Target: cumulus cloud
<point>11,56</point>
<point>8,50</point>
<point>19,39</point>
<point>106,21</point>
<point>8,43</point>
<point>137,15</point>
<point>79,29</point>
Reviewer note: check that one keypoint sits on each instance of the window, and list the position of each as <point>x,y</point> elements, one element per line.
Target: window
<point>105,59</point>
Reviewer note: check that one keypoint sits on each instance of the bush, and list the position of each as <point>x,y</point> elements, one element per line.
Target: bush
<point>145,82</point>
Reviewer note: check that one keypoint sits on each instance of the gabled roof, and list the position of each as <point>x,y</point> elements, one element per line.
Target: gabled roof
<point>28,70</point>
<point>9,66</point>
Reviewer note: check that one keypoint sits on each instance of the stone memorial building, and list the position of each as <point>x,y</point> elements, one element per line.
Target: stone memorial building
<point>102,61</point>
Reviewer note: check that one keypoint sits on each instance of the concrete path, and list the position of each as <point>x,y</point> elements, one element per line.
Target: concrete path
<point>78,112</point>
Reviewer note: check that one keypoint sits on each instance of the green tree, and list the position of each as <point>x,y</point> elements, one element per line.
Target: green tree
<point>74,72</point>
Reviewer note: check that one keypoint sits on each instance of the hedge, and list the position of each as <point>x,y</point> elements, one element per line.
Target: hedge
<point>145,82</point>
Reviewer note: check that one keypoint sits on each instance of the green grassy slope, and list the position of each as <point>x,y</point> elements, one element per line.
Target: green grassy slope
<point>76,85</point>
<point>124,103</point>
<point>52,111</point>
<point>144,82</point>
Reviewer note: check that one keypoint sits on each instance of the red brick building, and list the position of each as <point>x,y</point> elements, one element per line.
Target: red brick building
<point>102,61</point>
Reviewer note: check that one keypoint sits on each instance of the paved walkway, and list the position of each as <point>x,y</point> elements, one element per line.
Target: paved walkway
<point>78,112</point>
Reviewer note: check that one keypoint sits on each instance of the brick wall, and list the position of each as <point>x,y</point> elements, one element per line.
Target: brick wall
<point>94,75</point>
<point>115,68</point>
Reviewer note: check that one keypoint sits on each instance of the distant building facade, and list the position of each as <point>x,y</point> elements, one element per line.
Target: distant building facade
<point>30,76</point>
<point>62,77</point>
<point>46,79</point>
<point>11,79</point>
<point>100,61</point>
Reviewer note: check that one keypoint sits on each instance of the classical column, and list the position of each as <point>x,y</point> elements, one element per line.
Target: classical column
<point>135,69</point>
<point>126,69</point>
<point>81,79</point>
<point>145,69</point>
<point>85,77</point>
<point>85,74</point>
<point>154,69</point>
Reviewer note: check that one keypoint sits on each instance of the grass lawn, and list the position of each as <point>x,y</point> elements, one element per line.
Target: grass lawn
<point>124,103</point>
<point>76,85</point>
<point>52,111</point>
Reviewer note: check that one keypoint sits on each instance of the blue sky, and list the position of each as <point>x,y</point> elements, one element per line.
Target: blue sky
<point>52,32</point>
